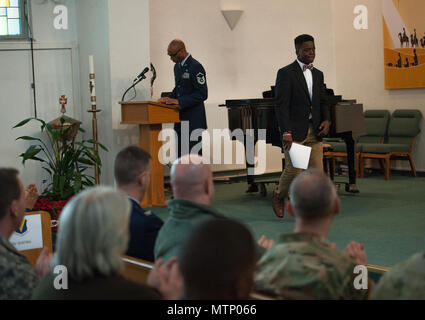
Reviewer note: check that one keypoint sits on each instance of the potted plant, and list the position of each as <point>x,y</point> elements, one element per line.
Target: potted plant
<point>66,160</point>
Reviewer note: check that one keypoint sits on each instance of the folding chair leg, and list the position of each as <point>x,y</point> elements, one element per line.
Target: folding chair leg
<point>381,163</point>
<point>412,164</point>
<point>361,166</point>
<point>357,164</point>
<point>387,168</point>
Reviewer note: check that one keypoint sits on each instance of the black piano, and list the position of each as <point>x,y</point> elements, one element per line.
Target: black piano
<point>260,114</point>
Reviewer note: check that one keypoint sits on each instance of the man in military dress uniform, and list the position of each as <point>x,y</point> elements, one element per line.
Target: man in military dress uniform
<point>189,94</point>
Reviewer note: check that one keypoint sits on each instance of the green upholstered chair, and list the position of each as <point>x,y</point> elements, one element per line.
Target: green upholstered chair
<point>403,128</point>
<point>376,127</point>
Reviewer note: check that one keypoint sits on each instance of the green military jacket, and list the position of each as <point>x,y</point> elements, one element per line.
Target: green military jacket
<point>305,266</point>
<point>17,276</point>
<point>405,281</point>
<point>184,215</point>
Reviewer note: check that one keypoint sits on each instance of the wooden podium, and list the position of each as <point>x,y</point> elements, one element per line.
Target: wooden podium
<point>150,116</point>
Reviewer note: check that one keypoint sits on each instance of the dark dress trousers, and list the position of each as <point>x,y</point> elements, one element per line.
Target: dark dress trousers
<point>191,91</point>
<point>144,229</point>
<point>293,104</point>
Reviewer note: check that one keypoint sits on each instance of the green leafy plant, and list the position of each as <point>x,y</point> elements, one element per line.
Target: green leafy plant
<point>62,157</point>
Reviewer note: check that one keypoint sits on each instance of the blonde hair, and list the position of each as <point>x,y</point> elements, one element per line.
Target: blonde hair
<point>93,233</point>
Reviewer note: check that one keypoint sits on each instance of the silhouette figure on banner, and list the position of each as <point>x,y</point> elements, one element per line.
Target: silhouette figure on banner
<point>403,38</point>
<point>399,61</point>
<point>415,58</point>
<point>406,65</point>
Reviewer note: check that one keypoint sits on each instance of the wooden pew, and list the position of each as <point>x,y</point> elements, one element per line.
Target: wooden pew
<point>137,270</point>
<point>376,272</point>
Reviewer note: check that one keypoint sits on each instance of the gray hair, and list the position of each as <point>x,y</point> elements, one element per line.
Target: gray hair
<point>312,195</point>
<point>93,233</point>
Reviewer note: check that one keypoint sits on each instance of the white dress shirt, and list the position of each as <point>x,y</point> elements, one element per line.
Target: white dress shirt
<point>184,61</point>
<point>308,75</point>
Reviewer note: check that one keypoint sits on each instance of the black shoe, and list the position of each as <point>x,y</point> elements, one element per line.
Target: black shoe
<point>252,188</point>
<point>352,188</point>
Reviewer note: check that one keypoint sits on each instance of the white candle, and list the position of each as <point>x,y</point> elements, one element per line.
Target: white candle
<point>93,93</point>
<point>91,64</point>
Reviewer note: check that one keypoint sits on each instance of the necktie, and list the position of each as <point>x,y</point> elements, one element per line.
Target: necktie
<point>310,67</point>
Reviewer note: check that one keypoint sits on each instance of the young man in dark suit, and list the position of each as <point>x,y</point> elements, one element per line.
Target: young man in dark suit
<point>302,112</point>
<point>189,94</point>
<point>132,175</point>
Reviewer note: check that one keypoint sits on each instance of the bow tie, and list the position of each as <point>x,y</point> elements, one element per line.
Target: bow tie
<point>310,67</point>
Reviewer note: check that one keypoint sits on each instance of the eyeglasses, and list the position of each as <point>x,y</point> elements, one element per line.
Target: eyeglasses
<point>173,55</point>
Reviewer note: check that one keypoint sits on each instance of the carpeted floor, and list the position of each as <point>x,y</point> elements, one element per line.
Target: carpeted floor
<point>387,217</point>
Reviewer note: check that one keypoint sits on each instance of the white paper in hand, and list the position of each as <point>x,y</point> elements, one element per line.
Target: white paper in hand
<point>300,156</point>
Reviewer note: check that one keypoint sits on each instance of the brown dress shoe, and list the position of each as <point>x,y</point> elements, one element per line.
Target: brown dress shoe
<point>278,205</point>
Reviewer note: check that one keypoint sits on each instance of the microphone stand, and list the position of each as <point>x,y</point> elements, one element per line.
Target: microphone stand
<point>135,82</point>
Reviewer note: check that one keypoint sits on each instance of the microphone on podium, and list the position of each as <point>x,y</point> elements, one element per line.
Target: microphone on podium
<point>141,75</point>
<point>139,78</point>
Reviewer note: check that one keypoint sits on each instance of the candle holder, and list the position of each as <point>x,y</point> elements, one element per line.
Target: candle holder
<point>94,111</point>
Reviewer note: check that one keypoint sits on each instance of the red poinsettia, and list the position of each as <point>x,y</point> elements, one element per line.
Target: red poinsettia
<point>53,207</point>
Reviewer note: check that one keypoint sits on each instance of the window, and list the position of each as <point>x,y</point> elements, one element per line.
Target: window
<point>13,23</point>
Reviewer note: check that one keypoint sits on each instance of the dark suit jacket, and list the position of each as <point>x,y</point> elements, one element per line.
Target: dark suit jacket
<point>144,228</point>
<point>191,91</point>
<point>293,101</point>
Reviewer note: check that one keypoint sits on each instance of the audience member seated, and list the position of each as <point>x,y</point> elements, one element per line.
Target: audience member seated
<point>92,237</point>
<point>217,261</point>
<point>304,264</point>
<point>405,281</point>
<point>18,276</point>
<point>132,176</point>
<point>193,190</point>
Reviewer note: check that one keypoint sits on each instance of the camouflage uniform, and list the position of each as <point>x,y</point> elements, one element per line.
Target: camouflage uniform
<point>17,276</point>
<point>305,266</point>
<point>405,281</point>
